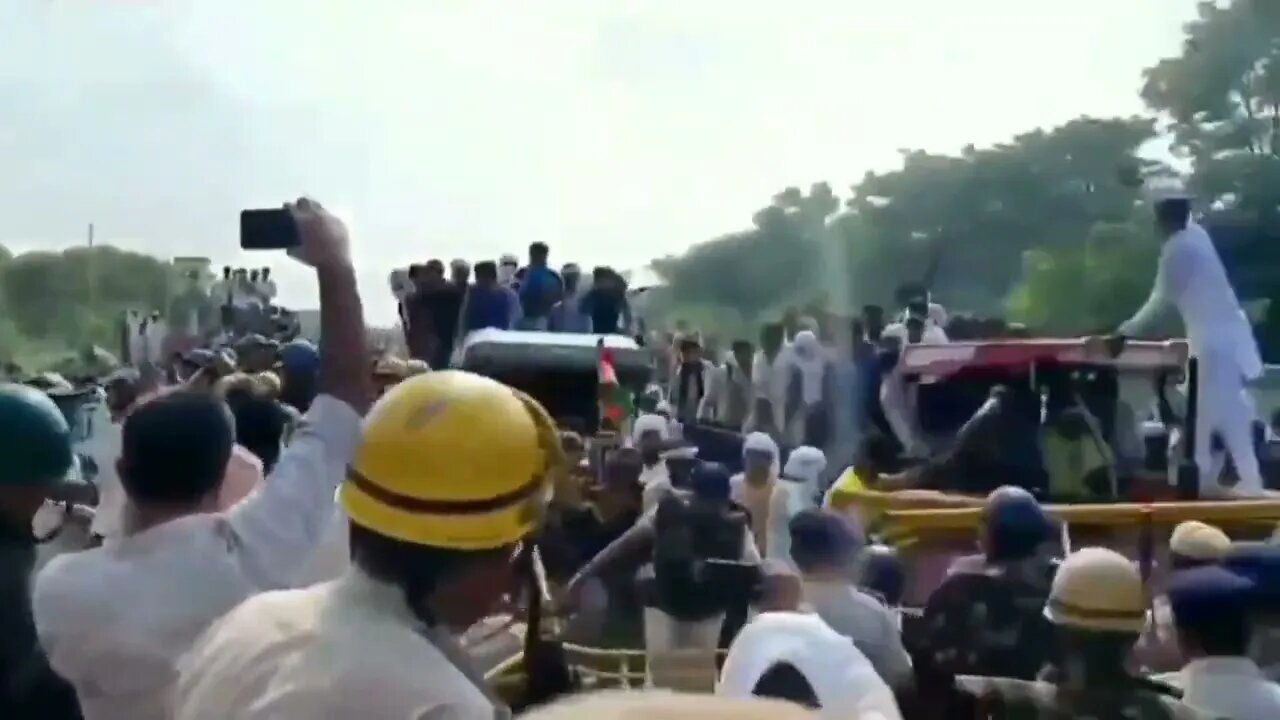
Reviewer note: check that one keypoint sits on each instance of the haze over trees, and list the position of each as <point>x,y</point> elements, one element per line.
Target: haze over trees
<point>1047,228</point>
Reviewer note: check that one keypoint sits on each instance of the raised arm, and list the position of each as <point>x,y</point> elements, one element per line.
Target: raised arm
<point>278,527</point>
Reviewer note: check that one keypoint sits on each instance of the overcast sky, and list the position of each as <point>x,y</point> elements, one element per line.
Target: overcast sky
<point>614,131</point>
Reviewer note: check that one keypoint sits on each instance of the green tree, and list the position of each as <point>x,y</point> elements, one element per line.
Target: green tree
<point>1221,95</point>
<point>76,297</point>
<point>1088,287</point>
<point>960,223</point>
<point>752,270</point>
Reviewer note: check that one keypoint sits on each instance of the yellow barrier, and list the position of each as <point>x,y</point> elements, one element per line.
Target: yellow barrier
<point>599,668</point>
<point>1223,513</point>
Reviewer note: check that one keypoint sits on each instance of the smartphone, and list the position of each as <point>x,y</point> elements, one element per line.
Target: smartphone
<point>267,230</point>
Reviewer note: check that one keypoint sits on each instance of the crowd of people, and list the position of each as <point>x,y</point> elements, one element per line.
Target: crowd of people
<point>291,531</point>
<point>437,309</point>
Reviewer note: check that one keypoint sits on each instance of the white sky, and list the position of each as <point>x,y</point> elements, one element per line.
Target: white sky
<point>616,131</point>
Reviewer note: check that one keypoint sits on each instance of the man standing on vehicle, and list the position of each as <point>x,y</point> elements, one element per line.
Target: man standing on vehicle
<point>540,288</point>
<point>1190,277</point>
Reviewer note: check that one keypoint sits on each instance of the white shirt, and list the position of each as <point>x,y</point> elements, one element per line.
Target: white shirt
<point>332,557</point>
<point>240,295</point>
<point>104,448</point>
<point>1229,687</point>
<point>115,619</point>
<point>770,380</point>
<point>266,289</point>
<point>842,678</point>
<point>871,626</point>
<point>930,335</point>
<point>342,650</point>
<point>1191,278</point>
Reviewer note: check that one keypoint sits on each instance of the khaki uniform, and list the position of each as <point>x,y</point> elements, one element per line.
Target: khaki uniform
<point>1026,700</point>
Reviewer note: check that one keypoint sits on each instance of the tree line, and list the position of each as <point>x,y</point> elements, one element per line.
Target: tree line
<point>1047,229</point>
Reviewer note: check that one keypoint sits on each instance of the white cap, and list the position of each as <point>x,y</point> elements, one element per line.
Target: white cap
<point>686,452</point>
<point>1159,190</point>
<point>508,259</point>
<point>845,682</point>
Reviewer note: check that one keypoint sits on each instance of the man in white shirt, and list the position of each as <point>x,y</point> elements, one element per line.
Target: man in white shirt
<point>114,620</point>
<point>241,290</point>
<point>825,548</point>
<point>730,391</point>
<point>266,287</point>
<point>1191,278</point>
<point>1210,612</point>
<point>771,378</point>
<point>897,395</point>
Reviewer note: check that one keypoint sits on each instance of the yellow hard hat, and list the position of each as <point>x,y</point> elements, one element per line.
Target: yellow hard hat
<point>453,460</point>
<point>1097,589</point>
<point>1195,540</point>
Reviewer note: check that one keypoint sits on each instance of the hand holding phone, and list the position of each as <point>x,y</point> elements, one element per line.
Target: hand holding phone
<point>268,230</point>
<point>305,229</point>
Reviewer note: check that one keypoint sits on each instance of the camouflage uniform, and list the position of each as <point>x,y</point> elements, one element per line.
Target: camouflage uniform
<point>1008,699</point>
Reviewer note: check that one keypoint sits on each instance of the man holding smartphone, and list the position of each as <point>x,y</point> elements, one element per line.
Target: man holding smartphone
<point>115,620</point>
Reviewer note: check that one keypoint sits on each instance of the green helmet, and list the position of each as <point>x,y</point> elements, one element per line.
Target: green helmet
<point>35,442</point>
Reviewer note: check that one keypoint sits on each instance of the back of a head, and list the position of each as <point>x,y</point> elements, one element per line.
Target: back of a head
<point>259,424</point>
<point>822,539</point>
<point>1016,524</point>
<point>1210,607</point>
<point>175,448</point>
<point>486,270</point>
<point>1173,214</point>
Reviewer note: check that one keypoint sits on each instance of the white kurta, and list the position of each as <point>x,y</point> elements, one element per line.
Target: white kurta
<point>1229,687</point>
<point>346,649</point>
<point>114,620</point>
<point>1190,277</point>
<point>844,681</point>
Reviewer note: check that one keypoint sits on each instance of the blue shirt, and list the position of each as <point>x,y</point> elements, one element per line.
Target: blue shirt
<point>539,290</point>
<point>491,307</point>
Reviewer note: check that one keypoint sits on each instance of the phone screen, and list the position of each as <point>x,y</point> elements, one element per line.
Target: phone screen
<point>267,230</point>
